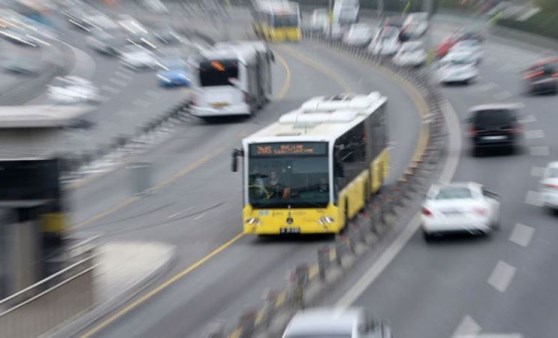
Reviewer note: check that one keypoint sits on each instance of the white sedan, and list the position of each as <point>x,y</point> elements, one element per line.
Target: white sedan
<point>471,47</point>
<point>386,42</point>
<point>412,54</point>
<point>460,208</point>
<point>73,90</point>
<point>457,67</point>
<point>358,35</point>
<point>549,186</point>
<point>137,57</point>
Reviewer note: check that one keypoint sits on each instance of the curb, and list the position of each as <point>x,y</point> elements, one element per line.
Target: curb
<point>77,325</point>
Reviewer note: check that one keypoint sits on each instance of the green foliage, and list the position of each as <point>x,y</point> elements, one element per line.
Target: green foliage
<point>543,23</point>
<point>548,5</point>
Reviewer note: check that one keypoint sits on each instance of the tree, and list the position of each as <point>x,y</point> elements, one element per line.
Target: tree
<point>548,5</point>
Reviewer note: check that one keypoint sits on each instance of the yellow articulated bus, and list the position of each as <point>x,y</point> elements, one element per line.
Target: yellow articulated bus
<point>314,169</point>
<point>277,20</point>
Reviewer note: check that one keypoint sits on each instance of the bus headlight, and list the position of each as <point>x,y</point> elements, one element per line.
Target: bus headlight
<point>253,221</point>
<point>326,220</point>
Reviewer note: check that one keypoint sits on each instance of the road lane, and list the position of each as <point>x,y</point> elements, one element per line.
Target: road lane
<point>248,262</point>
<point>500,286</point>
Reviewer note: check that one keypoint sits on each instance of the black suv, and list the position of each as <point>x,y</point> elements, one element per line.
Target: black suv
<point>494,126</point>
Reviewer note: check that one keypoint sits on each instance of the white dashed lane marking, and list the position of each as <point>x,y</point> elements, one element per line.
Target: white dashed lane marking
<point>467,327</point>
<point>522,234</point>
<point>533,198</point>
<point>539,150</point>
<point>199,217</point>
<point>118,82</point>
<point>141,103</point>
<point>502,276</point>
<point>534,134</point>
<point>503,95</point>
<point>110,89</point>
<point>528,119</point>
<point>537,171</point>
<point>484,87</point>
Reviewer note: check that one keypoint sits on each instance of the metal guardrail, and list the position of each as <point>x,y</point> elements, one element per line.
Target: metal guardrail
<point>307,281</point>
<point>48,303</point>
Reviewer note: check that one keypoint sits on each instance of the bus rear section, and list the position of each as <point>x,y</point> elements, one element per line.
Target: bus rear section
<point>219,89</point>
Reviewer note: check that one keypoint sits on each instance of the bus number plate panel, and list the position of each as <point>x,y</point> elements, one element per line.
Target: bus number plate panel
<point>289,230</point>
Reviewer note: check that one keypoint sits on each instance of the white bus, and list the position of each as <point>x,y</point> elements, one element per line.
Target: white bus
<point>232,78</point>
<point>345,12</point>
<point>316,168</point>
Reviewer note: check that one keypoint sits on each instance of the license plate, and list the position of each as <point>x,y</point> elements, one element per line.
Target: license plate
<point>289,230</point>
<point>219,104</point>
<point>452,213</point>
<point>494,138</point>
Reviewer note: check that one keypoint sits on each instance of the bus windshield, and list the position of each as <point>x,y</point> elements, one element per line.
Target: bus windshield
<point>218,72</point>
<point>291,180</point>
<point>290,20</point>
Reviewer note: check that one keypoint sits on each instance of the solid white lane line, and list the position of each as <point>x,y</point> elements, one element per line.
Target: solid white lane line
<point>503,95</point>
<point>467,327</point>
<point>537,171</point>
<point>533,198</point>
<point>534,134</point>
<point>118,82</point>
<point>528,119</point>
<point>199,217</point>
<point>502,276</point>
<point>522,234</point>
<point>391,252</point>
<point>539,150</point>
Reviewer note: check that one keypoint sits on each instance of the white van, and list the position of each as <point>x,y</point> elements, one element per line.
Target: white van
<point>345,12</point>
<point>232,78</point>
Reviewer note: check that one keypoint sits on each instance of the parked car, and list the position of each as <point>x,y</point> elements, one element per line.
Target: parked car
<point>336,32</point>
<point>386,41</point>
<point>471,47</point>
<point>460,207</point>
<point>73,90</point>
<point>494,126</point>
<point>416,25</point>
<point>358,35</point>
<point>342,323</point>
<point>542,77</point>
<point>412,54</point>
<point>319,20</point>
<point>549,186</point>
<point>105,43</point>
<point>137,57</point>
<point>174,73</point>
<point>457,67</point>
<point>19,36</point>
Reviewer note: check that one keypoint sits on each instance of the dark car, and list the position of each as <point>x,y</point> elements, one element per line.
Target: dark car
<point>494,126</point>
<point>542,77</point>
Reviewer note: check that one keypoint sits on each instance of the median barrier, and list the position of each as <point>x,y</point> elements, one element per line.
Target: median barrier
<point>308,281</point>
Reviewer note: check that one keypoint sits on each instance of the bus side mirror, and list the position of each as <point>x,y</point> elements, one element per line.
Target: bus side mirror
<point>235,154</point>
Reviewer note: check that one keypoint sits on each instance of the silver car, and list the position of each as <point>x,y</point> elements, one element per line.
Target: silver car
<point>335,323</point>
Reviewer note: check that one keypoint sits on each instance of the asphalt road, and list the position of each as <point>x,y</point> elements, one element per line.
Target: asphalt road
<point>198,210</point>
<point>503,284</point>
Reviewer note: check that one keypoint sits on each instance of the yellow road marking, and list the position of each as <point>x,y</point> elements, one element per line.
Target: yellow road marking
<point>259,317</point>
<point>161,287</point>
<point>236,333</point>
<point>323,69</point>
<point>287,83</point>
<point>313,271</point>
<point>281,299</point>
